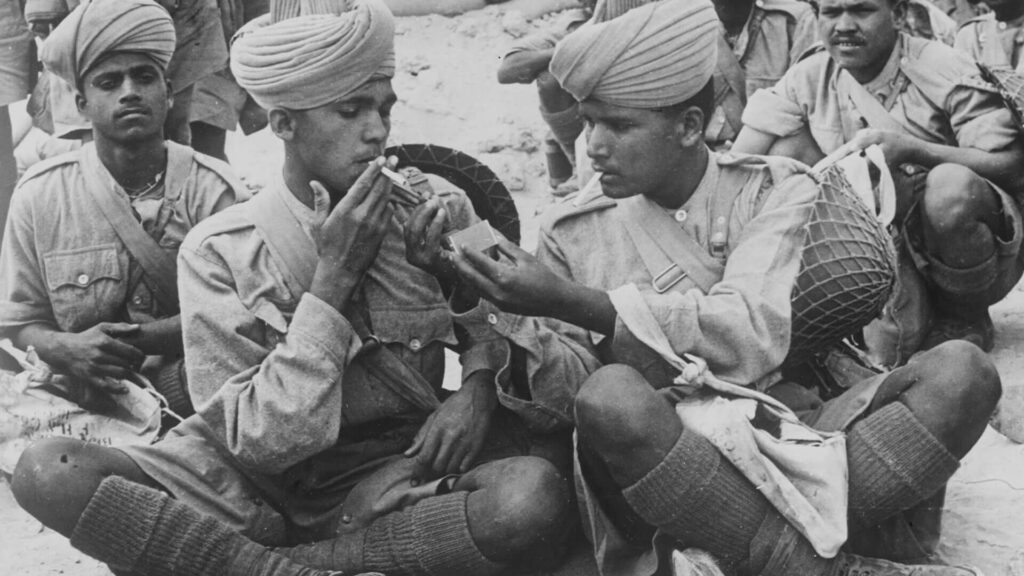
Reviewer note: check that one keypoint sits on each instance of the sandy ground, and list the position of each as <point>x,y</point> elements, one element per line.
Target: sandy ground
<point>448,95</point>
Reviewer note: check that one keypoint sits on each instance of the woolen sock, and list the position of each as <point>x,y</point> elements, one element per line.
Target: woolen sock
<point>137,529</point>
<point>701,499</point>
<point>895,464</point>
<point>430,537</point>
<point>343,552</point>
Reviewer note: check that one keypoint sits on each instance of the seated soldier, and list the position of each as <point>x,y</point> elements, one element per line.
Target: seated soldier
<point>950,142</point>
<point>995,38</point>
<point>759,42</point>
<point>724,297</point>
<point>310,427</point>
<point>88,260</point>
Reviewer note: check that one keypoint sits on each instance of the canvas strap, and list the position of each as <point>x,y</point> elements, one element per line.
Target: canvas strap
<point>157,264</point>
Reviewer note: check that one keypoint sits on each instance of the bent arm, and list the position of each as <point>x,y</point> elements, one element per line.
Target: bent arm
<point>524,66</point>
<point>1004,167</point>
<point>270,389</point>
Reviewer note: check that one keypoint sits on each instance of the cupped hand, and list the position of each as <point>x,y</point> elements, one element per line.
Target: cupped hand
<point>517,282</point>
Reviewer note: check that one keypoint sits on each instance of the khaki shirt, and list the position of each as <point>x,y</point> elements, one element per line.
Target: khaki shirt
<point>775,35</point>
<point>274,373</point>
<point>63,265</point>
<point>991,42</point>
<point>947,103</point>
<point>741,326</point>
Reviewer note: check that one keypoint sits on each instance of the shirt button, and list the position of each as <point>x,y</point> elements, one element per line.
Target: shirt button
<point>759,3</point>
<point>492,319</point>
<point>137,300</point>
<point>83,279</point>
<point>415,344</point>
<point>680,215</point>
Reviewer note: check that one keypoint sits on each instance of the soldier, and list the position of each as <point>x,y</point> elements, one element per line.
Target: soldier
<point>316,358</point>
<point>995,38</point>
<point>950,142</point>
<point>704,249</point>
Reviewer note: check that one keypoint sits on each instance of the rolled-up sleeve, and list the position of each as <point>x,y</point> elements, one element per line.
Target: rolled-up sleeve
<point>272,405</point>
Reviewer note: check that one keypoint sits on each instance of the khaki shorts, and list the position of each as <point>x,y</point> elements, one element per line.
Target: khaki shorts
<point>307,501</point>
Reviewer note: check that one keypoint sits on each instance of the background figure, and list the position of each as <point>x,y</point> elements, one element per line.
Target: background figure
<point>527,61</point>
<point>996,38</point>
<point>15,73</point>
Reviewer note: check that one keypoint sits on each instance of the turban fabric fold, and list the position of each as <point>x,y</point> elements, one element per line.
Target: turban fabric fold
<point>307,53</point>
<point>97,28</point>
<point>652,56</point>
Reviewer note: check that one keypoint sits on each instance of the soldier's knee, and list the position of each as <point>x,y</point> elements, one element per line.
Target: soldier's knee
<point>534,504</point>
<point>43,473</point>
<point>965,376</point>
<point>954,196</point>
<point>610,403</point>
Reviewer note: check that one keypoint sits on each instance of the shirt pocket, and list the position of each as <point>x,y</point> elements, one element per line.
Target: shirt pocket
<point>414,329</point>
<point>86,286</point>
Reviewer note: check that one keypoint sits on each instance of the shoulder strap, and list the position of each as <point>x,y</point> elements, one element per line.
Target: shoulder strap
<point>295,252</point>
<point>668,253</point>
<point>735,80</point>
<point>157,264</point>
<point>872,110</point>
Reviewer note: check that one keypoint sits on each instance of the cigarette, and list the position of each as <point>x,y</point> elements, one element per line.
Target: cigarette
<point>401,191</point>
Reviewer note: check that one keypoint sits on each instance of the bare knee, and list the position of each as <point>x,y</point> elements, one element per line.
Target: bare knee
<point>56,477</point>
<point>527,516</point>
<point>955,197</point>
<point>616,409</point>
<point>966,377</point>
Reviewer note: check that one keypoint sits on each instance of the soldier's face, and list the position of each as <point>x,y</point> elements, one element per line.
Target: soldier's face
<point>126,97</point>
<point>860,34</point>
<point>636,151</point>
<point>337,141</point>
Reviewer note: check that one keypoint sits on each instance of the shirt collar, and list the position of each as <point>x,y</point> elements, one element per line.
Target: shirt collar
<point>887,76</point>
<point>309,218</point>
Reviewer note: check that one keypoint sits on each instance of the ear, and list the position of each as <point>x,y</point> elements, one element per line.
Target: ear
<point>283,123</point>
<point>899,12</point>
<point>80,101</point>
<point>690,127</point>
<point>170,94</point>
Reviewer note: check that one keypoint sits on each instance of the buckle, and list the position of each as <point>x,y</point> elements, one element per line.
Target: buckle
<point>370,343</point>
<point>667,278</point>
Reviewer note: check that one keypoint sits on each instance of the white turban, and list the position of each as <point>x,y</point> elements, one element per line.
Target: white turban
<point>307,53</point>
<point>652,56</point>
<point>97,28</point>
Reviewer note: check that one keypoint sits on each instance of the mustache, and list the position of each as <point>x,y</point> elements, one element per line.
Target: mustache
<point>847,38</point>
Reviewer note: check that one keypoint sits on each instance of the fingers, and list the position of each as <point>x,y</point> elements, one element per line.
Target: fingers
<point>321,198</point>
<point>123,353</point>
<point>116,329</point>
<point>364,184</point>
<point>110,384</point>
<point>470,275</point>
<point>417,442</point>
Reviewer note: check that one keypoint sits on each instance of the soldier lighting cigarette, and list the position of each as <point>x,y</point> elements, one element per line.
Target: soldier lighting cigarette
<point>401,191</point>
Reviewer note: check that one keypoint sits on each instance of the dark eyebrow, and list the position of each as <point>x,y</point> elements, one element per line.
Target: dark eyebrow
<point>365,100</point>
